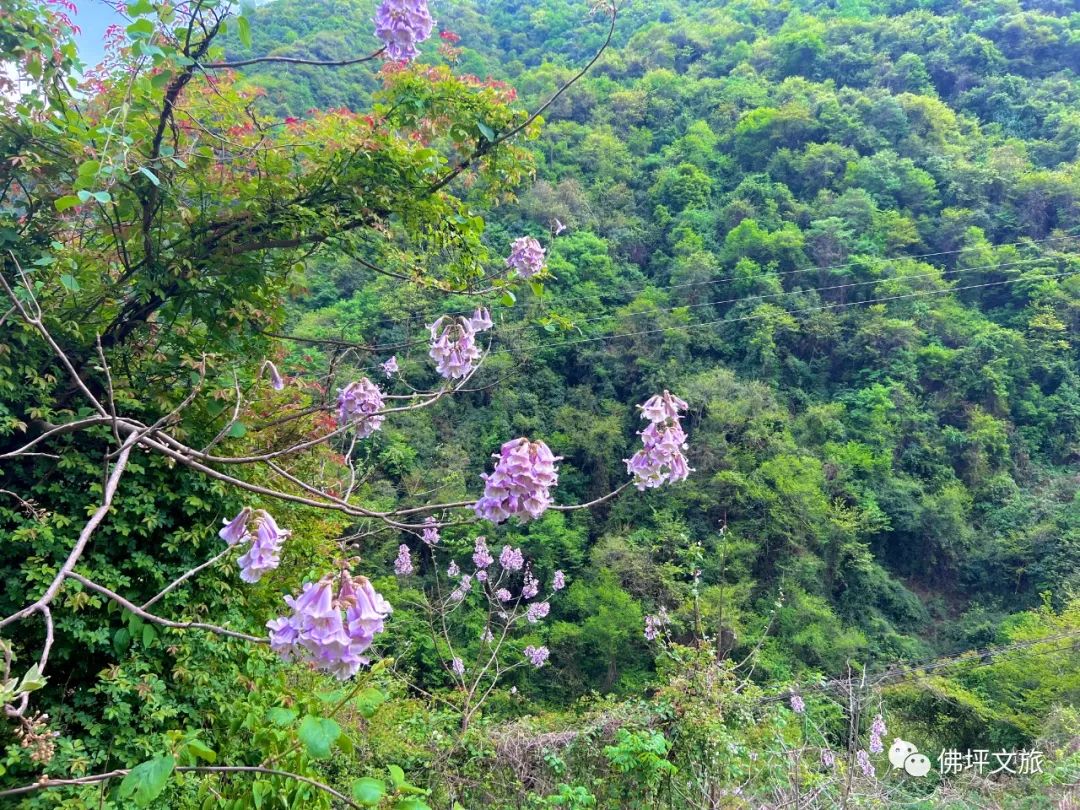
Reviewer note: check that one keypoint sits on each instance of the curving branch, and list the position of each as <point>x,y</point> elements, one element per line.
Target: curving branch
<point>150,617</point>
<point>93,779</point>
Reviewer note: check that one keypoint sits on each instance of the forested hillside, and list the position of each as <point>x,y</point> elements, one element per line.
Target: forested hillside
<point>846,234</point>
<point>847,239</point>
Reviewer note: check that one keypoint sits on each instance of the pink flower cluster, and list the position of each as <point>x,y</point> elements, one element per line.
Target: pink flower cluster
<point>264,553</point>
<point>521,484</point>
<point>330,632</point>
<point>453,346</point>
<point>402,25</point>
<point>361,402</point>
<point>526,256</point>
<point>661,460</point>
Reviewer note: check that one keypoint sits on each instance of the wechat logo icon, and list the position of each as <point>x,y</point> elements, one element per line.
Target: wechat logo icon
<point>905,755</point>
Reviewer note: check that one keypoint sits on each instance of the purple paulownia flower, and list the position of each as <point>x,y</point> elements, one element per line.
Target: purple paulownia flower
<point>330,632</point>
<point>453,346</point>
<point>402,25</point>
<point>360,402</point>
<point>526,256</point>
<point>521,483</point>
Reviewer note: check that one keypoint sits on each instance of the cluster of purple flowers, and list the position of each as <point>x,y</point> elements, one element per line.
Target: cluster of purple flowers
<point>403,564</point>
<point>654,624</point>
<point>558,581</point>
<point>481,554</point>
<point>828,758</point>
<point>402,25</point>
<point>521,484</point>
<point>526,256</point>
<point>537,656</point>
<point>537,611</point>
<point>863,760</point>
<point>797,704</point>
<point>453,346</point>
<point>264,552</point>
<point>877,731</point>
<point>430,534</point>
<point>390,367</point>
<point>361,402</point>
<point>661,460</point>
<point>330,632</point>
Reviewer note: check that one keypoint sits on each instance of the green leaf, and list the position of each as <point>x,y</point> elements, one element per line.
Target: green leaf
<point>121,639</point>
<point>64,203</point>
<point>32,680</point>
<point>318,735</point>
<point>69,282</point>
<point>369,700</point>
<point>238,430</point>
<point>146,781</point>
<point>397,776</point>
<point>149,175</point>
<point>244,31</point>
<point>148,634</point>
<point>508,299</point>
<point>141,29</point>
<point>102,197</point>
<point>368,791</point>
<point>201,750</point>
<point>139,7</point>
<point>280,716</point>
<point>485,130</point>
<point>411,803</point>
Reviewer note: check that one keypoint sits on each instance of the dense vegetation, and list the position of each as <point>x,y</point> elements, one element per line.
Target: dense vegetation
<point>845,233</point>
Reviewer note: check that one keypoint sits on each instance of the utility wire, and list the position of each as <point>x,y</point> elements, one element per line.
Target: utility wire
<point>786,273</point>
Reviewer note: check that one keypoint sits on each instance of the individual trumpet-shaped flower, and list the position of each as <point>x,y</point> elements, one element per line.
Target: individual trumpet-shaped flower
<point>453,346</point>
<point>537,656</point>
<point>521,484</point>
<point>235,530</point>
<point>390,367</point>
<point>452,570</point>
<point>330,633</point>
<point>481,320</point>
<point>276,381</point>
<point>661,459</point>
<point>263,553</point>
<point>360,402</point>
<point>526,256</point>
<point>402,25</point>
<point>403,564</point>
